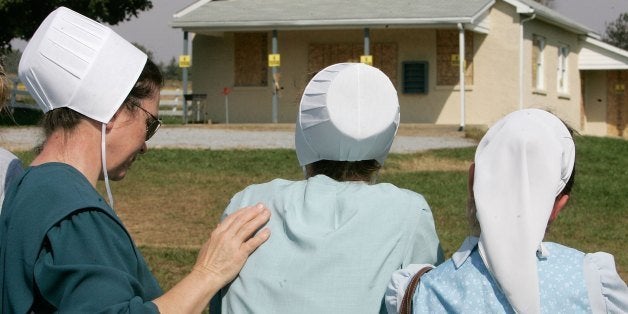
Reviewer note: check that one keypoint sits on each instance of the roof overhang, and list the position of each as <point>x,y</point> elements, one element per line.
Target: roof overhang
<point>598,55</point>
<point>547,15</point>
<point>210,16</point>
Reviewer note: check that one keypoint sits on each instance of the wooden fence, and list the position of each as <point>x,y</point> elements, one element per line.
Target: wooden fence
<point>170,103</point>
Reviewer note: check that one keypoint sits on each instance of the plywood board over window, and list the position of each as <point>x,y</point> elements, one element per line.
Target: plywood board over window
<point>447,51</point>
<point>250,59</point>
<point>617,95</point>
<point>323,55</point>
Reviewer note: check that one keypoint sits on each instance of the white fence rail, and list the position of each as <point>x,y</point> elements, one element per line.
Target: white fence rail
<point>170,103</point>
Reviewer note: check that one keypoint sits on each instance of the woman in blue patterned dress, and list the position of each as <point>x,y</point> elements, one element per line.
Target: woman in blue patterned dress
<point>521,179</point>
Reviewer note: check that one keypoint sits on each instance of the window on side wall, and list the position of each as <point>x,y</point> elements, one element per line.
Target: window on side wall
<point>250,59</point>
<point>538,63</point>
<point>563,70</point>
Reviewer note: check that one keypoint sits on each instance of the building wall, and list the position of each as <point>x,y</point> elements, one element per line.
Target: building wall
<point>495,90</point>
<point>566,105</point>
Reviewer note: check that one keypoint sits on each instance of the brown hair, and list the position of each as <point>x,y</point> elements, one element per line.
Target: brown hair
<point>149,81</point>
<point>363,170</point>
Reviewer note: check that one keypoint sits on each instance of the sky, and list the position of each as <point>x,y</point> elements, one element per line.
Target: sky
<point>151,29</point>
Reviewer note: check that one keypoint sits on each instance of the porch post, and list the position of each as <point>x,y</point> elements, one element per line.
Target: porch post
<point>184,74</point>
<point>275,79</point>
<point>461,65</point>
<point>367,42</point>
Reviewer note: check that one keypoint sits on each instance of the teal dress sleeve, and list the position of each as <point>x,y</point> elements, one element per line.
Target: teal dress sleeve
<point>88,264</point>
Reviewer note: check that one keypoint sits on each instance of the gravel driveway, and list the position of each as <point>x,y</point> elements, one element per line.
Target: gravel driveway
<point>200,136</point>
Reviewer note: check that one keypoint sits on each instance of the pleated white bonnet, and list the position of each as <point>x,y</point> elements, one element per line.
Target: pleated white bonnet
<point>348,112</point>
<point>522,163</point>
<point>73,61</point>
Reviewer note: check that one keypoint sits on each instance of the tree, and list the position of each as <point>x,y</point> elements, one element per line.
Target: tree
<point>617,32</point>
<point>11,60</point>
<point>172,71</point>
<point>145,50</point>
<point>20,18</point>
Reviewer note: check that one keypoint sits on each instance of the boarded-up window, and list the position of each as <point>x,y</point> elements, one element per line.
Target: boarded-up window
<point>323,55</point>
<point>250,59</point>
<point>447,57</point>
<point>538,62</point>
<point>617,106</point>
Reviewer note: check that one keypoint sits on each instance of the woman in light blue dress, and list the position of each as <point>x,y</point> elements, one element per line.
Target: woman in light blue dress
<point>522,177</point>
<point>337,235</point>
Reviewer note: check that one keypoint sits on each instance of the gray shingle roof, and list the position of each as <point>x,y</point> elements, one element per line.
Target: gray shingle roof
<point>233,14</point>
<point>225,15</point>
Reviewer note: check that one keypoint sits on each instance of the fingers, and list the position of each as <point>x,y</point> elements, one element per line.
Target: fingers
<point>253,243</point>
<point>251,226</point>
<point>240,217</point>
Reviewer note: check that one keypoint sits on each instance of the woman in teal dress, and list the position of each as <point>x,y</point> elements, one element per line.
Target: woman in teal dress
<point>62,247</point>
<point>10,165</point>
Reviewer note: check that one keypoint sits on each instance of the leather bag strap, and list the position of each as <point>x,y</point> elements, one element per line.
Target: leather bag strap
<point>406,303</point>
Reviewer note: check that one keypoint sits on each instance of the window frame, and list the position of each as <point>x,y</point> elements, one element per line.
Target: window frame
<point>562,70</point>
<point>539,44</point>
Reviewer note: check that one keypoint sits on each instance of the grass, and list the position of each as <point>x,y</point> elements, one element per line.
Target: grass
<point>172,199</point>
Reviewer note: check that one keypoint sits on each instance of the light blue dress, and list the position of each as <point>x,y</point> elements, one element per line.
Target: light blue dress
<point>570,282</point>
<point>333,246</point>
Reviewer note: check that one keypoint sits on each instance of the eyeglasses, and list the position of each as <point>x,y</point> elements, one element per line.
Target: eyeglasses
<point>152,124</point>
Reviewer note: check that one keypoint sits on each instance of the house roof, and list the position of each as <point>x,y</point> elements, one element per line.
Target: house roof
<point>234,15</point>
<point>550,16</point>
<point>224,15</point>
<point>598,55</point>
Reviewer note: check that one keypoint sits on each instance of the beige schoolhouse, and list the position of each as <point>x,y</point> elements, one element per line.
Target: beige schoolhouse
<point>516,54</point>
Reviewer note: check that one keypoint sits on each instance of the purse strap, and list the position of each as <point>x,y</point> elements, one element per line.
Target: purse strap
<point>406,303</point>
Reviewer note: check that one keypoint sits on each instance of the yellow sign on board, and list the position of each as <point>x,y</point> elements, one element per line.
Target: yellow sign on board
<point>455,60</point>
<point>185,61</point>
<point>620,88</point>
<point>274,60</point>
<point>366,59</point>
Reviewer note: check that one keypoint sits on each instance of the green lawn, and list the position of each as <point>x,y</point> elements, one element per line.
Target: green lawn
<point>171,199</point>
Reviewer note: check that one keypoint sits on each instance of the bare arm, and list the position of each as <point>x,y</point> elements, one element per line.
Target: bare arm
<point>219,261</point>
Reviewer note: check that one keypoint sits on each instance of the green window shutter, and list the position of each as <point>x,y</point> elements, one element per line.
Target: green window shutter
<point>415,77</point>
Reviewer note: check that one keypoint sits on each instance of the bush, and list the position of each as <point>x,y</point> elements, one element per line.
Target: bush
<point>19,116</point>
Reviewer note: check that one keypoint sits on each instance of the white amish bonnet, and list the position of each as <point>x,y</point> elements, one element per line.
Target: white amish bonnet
<point>348,112</point>
<point>75,62</point>
<point>522,163</point>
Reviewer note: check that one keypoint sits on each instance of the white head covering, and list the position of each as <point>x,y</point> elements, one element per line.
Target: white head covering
<point>75,62</point>
<point>348,112</point>
<point>521,165</point>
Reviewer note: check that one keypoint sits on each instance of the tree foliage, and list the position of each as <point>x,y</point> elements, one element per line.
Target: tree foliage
<point>20,18</point>
<point>171,71</point>
<point>617,32</point>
